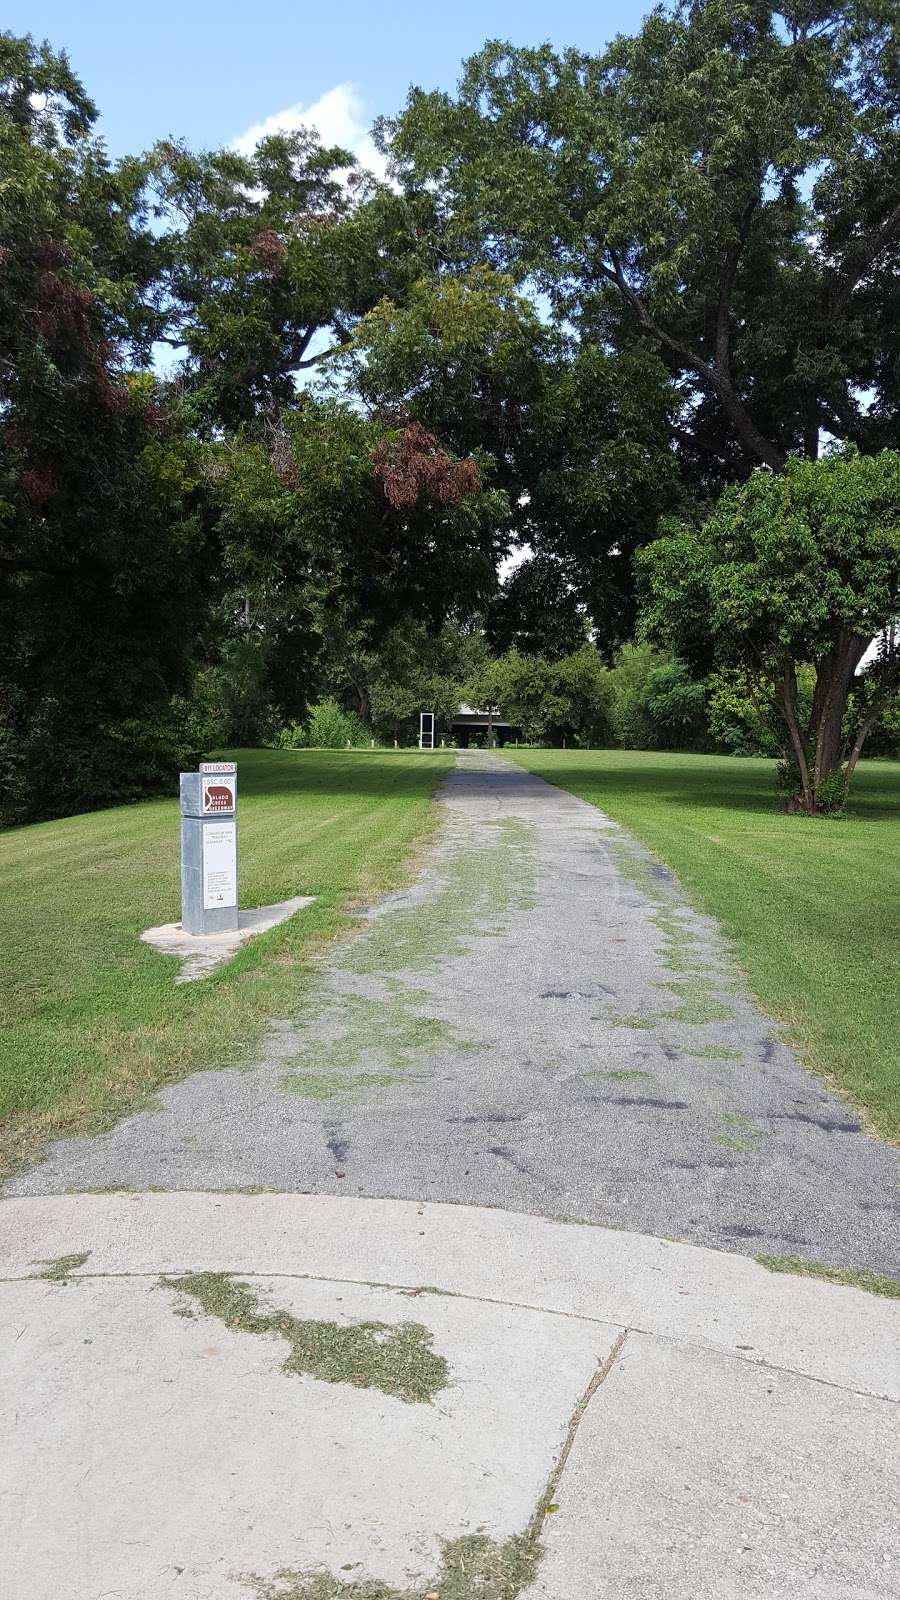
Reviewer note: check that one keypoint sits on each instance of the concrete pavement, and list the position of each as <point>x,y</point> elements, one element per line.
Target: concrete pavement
<point>611,1416</point>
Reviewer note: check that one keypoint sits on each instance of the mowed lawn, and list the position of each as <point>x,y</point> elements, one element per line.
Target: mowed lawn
<point>811,907</point>
<point>90,1019</point>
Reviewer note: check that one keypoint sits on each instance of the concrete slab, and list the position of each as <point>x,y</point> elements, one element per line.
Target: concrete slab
<point>740,1448</point>
<point>148,1453</point>
<point>702,1297</point>
<point>694,1477</point>
<point>201,953</point>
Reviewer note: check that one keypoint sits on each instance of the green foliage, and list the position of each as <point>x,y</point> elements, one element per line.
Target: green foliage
<point>409,670</point>
<point>326,728</point>
<point>53,766</point>
<point>734,722</point>
<point>655,704</point>
<point>261,252</point>
<point>101,582</point>
<point>802,567</point>
<point>721,185</point>
<point>577,436</point>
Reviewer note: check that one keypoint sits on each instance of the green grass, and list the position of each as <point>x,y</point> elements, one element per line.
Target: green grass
<point>397,1360</point>
<point>871,1282</point>
<point>474,1567</point>
<point>60,1268</point>
<point>90,1020</point>
<point>810,907</point>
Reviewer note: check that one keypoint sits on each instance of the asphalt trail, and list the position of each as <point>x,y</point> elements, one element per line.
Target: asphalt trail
<point>541,1023</point>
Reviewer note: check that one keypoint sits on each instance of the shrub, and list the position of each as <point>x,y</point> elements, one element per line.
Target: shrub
<point>59,768</point>
<point>734,722</point>
<point>327,727</point>
<point>655,703</point>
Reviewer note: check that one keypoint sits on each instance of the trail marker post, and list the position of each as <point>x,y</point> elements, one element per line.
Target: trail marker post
<point>209,898</point>
<point>426,730</point>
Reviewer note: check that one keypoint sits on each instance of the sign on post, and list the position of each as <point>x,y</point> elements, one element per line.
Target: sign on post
<point>426,730</point>
<point>209,897</point>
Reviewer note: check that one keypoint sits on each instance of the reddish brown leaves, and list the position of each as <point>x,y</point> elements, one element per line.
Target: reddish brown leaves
<point>412,466</point>
<point>267,249</point>
<point>37,485</point>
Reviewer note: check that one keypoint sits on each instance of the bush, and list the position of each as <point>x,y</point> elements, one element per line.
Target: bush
<point>327,727</point>
<point>58,769</point>
<point>235,692</point>
<point>655,703</point>
<point>734,722</point>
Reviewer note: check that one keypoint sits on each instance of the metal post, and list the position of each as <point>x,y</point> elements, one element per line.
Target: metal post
<point>209,898</point>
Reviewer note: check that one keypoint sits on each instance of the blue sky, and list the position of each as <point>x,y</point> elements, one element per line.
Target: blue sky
<point>207,72</point>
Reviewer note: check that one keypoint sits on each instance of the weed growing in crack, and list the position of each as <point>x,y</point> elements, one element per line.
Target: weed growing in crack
<point>60,1268</point>
<point>713,1052</point>
<point>697,1006</point>
<point>619,1074</point>
<point>478,889</point>
<point>383,1038</point>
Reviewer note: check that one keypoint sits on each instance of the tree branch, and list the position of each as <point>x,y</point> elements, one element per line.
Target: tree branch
<point>867,252</point>
<point>754,442</point>
<point>788,688</point>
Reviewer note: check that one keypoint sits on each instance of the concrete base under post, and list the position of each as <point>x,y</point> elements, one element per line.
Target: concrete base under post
<point>201,953</point>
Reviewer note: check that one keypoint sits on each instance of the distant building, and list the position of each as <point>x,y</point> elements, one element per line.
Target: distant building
<point>479,727</point>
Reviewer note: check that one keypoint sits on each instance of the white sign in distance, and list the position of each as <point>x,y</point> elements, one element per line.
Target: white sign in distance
<point>219,865</point>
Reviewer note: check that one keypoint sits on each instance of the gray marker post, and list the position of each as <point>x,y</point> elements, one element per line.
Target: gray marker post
<point>209,898</point>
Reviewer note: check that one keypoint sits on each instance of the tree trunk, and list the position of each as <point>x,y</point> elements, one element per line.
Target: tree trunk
<point>819,751</point>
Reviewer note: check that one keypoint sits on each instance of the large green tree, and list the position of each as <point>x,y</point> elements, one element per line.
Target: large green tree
<point>578,436</point>
<point>101,579</point>
<point>269,258</point>
<point>724,185</point>
<point>336,526</point>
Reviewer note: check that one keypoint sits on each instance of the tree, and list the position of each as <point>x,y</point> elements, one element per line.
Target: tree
<point>803,567</point>
<point>654,702</point>
<point>578,437</point>
<point>537,610</point>
<point>410,669</point>
<point>567,699</point>
<point>724,186</point>
<point>102,580</point>
<point>269,259</point>
<point>333,524</point>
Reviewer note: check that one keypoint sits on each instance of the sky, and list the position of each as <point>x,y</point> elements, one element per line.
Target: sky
<point>208,73</point>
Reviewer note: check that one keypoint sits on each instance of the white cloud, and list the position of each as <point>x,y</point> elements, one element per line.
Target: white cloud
<point>339,116</point>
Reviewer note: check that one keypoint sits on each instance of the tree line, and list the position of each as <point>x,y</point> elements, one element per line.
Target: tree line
<point>633,314</point>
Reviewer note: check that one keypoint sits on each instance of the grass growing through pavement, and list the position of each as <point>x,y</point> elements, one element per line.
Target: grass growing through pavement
<point>90,1020</point>
<point>811,907</point>
<point>474,1567</point>
<point>872,1282</point>
<point>381,1038</point>
<point>397,1360</point>
<point>60,1269</point>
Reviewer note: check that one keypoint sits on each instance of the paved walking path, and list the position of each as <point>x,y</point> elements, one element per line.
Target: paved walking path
<point>546,1411</point>
<point>544,1024</point>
